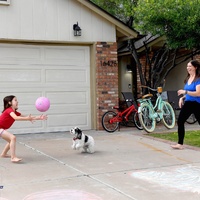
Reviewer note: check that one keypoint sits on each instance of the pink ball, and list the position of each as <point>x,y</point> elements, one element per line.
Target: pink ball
<point>42,104</point>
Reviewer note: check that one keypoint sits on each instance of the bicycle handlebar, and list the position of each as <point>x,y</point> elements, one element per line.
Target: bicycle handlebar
<point>159,89</point>
<point>144,86</point>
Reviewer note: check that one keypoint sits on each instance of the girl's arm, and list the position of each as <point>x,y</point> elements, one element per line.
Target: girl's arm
<point>40,117</point>
<point>28,117</point>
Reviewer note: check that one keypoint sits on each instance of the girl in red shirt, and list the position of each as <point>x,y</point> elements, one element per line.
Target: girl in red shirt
<point>7,118</point>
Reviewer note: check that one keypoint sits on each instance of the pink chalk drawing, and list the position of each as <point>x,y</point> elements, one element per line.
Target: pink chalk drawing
<point>62,195</point>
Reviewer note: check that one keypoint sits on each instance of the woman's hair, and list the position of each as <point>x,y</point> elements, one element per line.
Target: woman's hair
<point>195,64</point>
<point>7,101</point>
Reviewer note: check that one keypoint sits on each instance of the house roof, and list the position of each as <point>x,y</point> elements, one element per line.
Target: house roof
<point>123,31</point>
<point>155,41</point>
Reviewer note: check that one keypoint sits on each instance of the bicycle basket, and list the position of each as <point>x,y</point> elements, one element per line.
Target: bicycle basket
<point>159,89</point>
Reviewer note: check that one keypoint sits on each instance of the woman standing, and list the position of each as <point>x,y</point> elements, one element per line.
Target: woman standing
<point>190,102</point>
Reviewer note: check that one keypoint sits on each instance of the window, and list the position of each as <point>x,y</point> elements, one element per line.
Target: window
<point>5,2</point>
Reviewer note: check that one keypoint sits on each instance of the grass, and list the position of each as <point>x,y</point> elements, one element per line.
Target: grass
<point>192,138</point>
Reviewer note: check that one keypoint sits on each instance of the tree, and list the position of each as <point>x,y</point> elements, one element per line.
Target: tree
<point>179,22</point>
<point>176,20</point>
<point>121,9</point>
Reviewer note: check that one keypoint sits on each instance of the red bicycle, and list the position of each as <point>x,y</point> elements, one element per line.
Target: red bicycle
<point>111,120</point>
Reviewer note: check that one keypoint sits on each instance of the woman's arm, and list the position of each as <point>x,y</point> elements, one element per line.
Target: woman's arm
<point>181,101</point>
<point>191,93</point>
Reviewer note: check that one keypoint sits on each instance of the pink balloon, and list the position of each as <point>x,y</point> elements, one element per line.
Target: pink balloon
<point>42,104</point>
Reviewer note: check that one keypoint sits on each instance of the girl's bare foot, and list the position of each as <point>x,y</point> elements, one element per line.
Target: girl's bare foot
<point>15,159</point>
<point>5,156</point>
<point>177,146</point>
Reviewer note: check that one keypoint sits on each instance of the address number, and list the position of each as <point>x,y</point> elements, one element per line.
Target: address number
<point>109,63</point>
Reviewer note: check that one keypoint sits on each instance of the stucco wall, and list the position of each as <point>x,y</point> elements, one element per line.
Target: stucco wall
<point>52,20</point>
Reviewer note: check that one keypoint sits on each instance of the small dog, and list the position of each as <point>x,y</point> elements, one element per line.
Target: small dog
<point>82,141</point>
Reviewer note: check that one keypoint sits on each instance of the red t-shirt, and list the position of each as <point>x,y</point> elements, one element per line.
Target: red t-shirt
<point>6,120</point>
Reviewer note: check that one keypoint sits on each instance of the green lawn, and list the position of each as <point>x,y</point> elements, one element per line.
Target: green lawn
<point>191,137</point>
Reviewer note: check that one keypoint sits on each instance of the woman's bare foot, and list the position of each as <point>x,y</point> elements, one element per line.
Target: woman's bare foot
<point>177,146</point>
<point>5,156</point>
<point>16,160</point>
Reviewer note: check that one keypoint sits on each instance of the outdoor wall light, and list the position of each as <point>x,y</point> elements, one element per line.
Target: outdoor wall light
<point>77,30</point>
<point>128,68</point>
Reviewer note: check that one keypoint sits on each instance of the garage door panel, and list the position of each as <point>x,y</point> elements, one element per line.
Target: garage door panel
<point>71,97</point>
<point>67,75</point>
<point>13,54</point>
<point>60,73</point>
<point>70,109</point>
<point>28,127</point>
<point>20,75</point>
<point>26,100</point>
<point>68,120</point>
<point>63,55</point>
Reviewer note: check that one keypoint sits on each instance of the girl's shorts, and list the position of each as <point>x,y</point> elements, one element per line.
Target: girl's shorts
<point>1,131</point>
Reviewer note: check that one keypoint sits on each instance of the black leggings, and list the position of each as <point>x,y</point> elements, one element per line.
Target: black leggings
<point>189,107</point>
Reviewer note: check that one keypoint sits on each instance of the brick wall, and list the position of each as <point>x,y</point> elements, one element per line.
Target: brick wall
<point>106,78</point>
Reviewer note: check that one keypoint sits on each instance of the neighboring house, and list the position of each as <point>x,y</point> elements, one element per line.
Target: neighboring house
<point>128,74</point>
<point>40,56</point>
<point>130,81</point>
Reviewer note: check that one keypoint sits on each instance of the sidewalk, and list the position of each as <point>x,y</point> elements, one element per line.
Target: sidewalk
<point>127,165</point>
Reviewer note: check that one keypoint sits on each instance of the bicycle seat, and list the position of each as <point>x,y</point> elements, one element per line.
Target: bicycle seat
<point>147,96</point>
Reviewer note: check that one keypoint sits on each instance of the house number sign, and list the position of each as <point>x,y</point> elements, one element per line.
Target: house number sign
<point>109,63</point>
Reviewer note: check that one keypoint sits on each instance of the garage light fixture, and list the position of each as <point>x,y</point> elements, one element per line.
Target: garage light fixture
<point>77,30</point>
<point>128,68</point>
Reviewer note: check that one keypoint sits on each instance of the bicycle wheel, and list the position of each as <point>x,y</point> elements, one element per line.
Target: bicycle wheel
<point>168,115</point>
<point>137,121</point>
<point>108,125</point>
<point>192,119</point>
<point>145,113</point>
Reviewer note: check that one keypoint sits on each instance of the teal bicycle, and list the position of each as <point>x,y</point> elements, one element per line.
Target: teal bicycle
<point>150,114</point>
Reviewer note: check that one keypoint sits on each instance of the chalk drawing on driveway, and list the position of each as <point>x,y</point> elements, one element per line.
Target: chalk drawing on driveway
<point>62,195</point>
<point>185,178</point>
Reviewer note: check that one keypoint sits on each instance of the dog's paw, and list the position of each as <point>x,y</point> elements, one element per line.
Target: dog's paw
<point>90,150</point>
<point>73,147</point>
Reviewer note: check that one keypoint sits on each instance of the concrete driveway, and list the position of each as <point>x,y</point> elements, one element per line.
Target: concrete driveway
<point>126,165</point>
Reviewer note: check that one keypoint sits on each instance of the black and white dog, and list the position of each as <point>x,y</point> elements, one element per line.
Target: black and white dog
<point>81,141</point>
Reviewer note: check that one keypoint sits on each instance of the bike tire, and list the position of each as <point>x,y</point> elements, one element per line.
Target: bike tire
<point>192,119</point>
<point>145,112</point>
<point>109,127</point>
<point>137,121</point>
<point>168,115</point>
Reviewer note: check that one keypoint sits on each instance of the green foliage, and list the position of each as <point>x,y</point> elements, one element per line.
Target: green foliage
<point>192,138</point>
<point>178,20</point>
<point>122,9</point>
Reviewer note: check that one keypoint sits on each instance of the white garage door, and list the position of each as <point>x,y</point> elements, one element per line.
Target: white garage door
<point>58,72</point>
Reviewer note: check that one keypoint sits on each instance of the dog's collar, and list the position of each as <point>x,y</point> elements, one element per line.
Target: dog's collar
<point>86,138</point>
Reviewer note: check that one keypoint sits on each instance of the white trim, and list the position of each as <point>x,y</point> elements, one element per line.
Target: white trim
<point>6,2</point>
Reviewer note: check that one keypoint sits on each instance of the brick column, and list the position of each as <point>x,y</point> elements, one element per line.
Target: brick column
<point>106,78</point>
